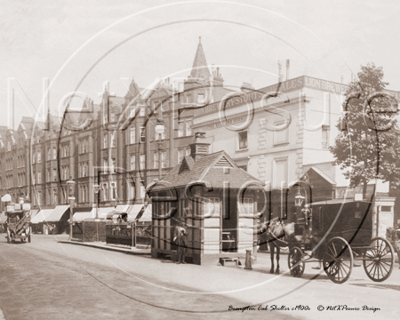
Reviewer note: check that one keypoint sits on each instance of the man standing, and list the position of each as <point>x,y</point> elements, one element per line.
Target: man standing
<point>180,234</point>
<point>391,236</point>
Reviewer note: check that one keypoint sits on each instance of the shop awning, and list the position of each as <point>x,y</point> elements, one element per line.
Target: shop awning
<point>3,217</point>
<point>42,215</point>
<point>82,215</point>
<point>57,213</point>
<point>34,213</point>
<point>133,211</point>
<point>120,209</point>
<point>104,212</point>
<point>144,214</point>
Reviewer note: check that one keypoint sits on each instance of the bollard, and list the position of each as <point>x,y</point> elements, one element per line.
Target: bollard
<point>248,260</point>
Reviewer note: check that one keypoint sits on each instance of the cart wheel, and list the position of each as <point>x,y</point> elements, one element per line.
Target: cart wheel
<point>379,260</point>
<point>338,260</point>
<point>295,262</point>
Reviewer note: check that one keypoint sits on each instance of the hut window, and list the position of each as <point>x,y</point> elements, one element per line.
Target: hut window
<point>246,207</point>
<point>212,207</point>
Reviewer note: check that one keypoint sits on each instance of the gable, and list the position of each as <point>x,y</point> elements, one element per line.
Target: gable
<point>184,166</point>
<point>224,162</point>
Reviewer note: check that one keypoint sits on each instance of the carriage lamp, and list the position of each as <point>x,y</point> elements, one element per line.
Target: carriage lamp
<point>298,199</point>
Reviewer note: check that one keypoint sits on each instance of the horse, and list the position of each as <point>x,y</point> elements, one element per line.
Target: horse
<point>277,235</point>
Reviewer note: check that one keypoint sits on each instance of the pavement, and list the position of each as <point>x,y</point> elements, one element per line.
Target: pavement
<point>259,262</point>
<point>111,247</point>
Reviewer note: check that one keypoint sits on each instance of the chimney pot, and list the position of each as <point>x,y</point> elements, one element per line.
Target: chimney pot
<point>287,69</point>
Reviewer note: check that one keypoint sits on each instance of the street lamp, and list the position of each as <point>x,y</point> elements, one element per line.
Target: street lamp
<point>96,189</point>
<point>160,132</point>
<point>71,198</point>
<point>298,199</point>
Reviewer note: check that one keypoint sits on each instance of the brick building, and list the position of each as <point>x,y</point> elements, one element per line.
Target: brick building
<point>113,143</point>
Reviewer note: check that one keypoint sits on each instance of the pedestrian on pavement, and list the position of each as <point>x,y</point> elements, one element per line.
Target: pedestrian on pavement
<point>391,236</point>
<point>180,234</point>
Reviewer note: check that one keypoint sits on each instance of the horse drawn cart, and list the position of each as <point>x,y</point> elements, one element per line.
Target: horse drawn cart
<point>338,233</point>
<point>18,225</point>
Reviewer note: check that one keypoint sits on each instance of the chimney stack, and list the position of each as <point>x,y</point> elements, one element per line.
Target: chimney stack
<point>287,69</point>
<point>279,71</point>
<point>199,147</point>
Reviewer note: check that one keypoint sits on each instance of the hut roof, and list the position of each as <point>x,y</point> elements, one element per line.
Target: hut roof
<point>214,170</point>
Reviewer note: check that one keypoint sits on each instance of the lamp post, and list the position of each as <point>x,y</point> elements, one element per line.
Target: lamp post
<point>160,131</point>
<point>96,189</point>
<point>71,198</point>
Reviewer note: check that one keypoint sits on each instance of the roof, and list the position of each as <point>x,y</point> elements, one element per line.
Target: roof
<point>336,201</point>
<point>214,170</point>
<point>57,213</point>
<point>323,175</point>
<point>133,91</point>
<point>200,67</point>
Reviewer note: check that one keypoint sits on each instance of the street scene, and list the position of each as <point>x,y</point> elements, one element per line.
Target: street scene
<point>202,159</point>
<point>65,281</point>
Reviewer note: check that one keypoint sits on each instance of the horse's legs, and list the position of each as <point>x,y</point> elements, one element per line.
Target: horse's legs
<point>278,251</point>
<point>272,252</point>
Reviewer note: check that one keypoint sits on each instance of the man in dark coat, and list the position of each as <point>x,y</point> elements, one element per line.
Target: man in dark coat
<point>180,234</point>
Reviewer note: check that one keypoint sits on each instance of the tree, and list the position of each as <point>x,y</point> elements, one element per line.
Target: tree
<point>367,146</point>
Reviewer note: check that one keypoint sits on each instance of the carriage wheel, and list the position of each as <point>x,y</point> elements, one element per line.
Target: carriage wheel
<point>338,260</point>
<point>295,262</point>
<point>379,260</point>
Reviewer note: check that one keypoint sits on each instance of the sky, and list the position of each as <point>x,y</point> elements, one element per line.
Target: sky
<point>80,45</point>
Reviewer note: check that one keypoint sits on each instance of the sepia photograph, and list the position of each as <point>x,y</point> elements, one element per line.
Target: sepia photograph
<point>199,159</point>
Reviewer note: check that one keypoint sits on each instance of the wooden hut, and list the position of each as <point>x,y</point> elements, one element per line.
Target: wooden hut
<point>216,201</point>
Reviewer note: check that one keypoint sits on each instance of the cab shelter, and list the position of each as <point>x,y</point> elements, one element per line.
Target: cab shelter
<point>214,200</point>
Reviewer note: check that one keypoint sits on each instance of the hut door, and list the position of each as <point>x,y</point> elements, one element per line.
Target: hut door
<point>172,223</point>
<point>212,226</point>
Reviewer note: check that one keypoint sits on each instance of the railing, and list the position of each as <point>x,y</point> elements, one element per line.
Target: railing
<point>129,234</point>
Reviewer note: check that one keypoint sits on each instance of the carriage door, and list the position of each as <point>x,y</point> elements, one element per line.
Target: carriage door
<point>212,225</point>
<point>384,217</point>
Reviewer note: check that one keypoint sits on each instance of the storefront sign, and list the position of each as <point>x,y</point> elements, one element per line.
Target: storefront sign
<point>227,122</point>
<point>350,193</point>
<point>252,96</point>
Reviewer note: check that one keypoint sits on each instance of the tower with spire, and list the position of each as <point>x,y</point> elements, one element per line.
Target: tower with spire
<point>198,81</point>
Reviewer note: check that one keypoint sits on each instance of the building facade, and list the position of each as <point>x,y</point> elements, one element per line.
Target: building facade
<point>276,133</point>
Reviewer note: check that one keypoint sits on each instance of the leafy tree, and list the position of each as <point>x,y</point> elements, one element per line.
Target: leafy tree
<point>368,146</point>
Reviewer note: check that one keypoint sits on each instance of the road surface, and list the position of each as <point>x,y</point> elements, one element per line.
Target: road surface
<point>48,280</point>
